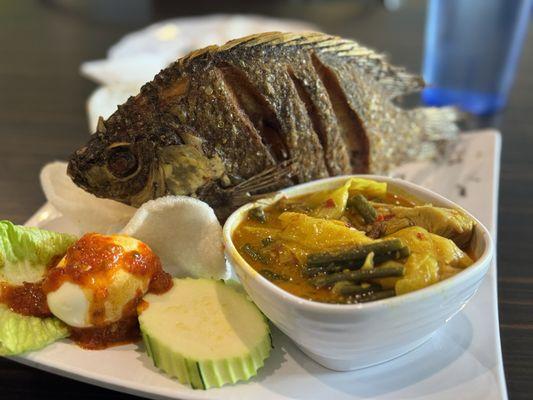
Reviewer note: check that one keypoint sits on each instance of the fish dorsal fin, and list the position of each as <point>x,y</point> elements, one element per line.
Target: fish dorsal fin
<point>394,80</point>
<point>268,39</point>
<point>100,126</point>
<point>196,53</point>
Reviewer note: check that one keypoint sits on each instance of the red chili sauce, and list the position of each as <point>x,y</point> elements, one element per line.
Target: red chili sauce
<point>91,263</point>
<point>125,330</point>
<point>27,299</point>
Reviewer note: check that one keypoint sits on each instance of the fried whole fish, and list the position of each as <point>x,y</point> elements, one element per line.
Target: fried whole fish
<point>227,123</point>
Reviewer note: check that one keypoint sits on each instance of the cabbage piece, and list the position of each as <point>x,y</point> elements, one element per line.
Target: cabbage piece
<point>330,204</point>
<point>367,187</point>
<point>420,271</point>
<point>448,254</point>
<point>446,222</point>
<point>20,333</point>
<point>316,234</point>
<point>291,253</point>
<point>432,258</point>
<point>445,251</point>
<point>258,233</point>
<point>26,252</point>
<point>283,253</point>
<point>369,261</point>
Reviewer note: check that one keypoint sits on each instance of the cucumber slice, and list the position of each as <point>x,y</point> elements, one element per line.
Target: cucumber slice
<point>204,333</point>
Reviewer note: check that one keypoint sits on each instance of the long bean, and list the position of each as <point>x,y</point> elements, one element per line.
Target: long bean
<point>258,214</point>
<point>377,295</point>
<point>384,259</point>
<point>274,276</point>
<point>354,254</point>
<point>403,252</point>
<point>267,241</point>
<point>357,276</point>
<point>347,288</point>
<point>326,269</point>
<point>254,254</point>
<point>363,207</point>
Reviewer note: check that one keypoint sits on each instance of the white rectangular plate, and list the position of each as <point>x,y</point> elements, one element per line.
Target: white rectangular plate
<point>462,360</point>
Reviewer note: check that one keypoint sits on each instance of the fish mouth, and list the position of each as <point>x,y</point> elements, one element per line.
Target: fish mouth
<point>93,177</point>
<point>117,170</point>
<point>76,165</point>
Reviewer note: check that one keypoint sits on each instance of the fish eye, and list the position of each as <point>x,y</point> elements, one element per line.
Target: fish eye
<point>121,162</point>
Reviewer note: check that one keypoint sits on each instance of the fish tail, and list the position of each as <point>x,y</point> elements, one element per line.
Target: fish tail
<point>438,124</point>
<point>438,129</point>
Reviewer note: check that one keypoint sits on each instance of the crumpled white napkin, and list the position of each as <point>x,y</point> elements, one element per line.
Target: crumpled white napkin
<point>86,211</point>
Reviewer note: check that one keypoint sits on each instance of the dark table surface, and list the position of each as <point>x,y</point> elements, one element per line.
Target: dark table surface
<point>42,118</point>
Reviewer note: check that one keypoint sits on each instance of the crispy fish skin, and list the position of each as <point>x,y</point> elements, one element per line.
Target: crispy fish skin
<point>255,115</point>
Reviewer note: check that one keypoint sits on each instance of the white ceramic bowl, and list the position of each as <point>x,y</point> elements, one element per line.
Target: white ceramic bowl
<point>346,337</point>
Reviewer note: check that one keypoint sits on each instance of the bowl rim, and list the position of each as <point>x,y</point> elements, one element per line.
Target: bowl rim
<point>465,275</point>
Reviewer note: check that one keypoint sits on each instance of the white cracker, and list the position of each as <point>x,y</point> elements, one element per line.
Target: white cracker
<point>185,233</point>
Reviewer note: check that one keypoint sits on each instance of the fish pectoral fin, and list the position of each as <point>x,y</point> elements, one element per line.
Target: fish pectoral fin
<point>186,168</point>
<point>262,184</point>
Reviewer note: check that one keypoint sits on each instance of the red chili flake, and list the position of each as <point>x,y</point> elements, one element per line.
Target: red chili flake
<point>329,203</point>
<point>277,247</point>
<point>380,218</point>
<point>420,235</point>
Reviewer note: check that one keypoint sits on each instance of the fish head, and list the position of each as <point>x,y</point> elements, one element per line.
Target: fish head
<point>117,166</point>
<point>132,166</point>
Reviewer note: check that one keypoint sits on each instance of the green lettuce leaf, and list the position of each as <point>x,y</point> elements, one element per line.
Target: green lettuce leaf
<point>25,252</point>
<point>20,333</point>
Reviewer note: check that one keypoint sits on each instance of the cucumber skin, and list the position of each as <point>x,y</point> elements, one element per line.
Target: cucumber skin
<point>186,371</point>
<point>206,374</point>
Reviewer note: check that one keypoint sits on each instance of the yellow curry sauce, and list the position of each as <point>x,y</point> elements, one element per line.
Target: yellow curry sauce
<point>280,241</point>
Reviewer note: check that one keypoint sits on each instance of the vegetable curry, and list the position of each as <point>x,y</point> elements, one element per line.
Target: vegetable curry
<point>357,243</point>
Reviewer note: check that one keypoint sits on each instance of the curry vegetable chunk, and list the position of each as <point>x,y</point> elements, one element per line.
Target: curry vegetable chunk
<point>359,242</point>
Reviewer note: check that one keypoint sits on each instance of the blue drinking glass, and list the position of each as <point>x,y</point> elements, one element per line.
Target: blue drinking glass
<point>472,48</point>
